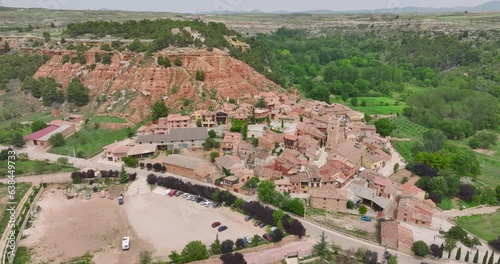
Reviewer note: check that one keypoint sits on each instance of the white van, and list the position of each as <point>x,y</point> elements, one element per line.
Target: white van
<point>125,243</point>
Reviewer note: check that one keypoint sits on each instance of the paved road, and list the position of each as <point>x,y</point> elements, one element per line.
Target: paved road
<point>303,248</point>
<point>346,242</point>
<point>388,170</point>
<point>470,211</point>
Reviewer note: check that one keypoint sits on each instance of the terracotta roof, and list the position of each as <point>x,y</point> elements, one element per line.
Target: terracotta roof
<point>419,210</point>
<point>331,193</point>
<point>177,117</point>
<point>176,134</point>
<point>41,133</point>
<point>291,137</point>
<point>411,190</point>
<point>394,235</point>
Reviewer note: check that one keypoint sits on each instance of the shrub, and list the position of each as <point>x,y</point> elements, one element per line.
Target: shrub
<point>420,248</point>
<point>435,250</point>
<point>151,179</point>
<point>350,204</point>
<point>130,162</point>
<point>362,210</point>
<point>57,140</point>
<point>227,246</point>
<point>466,192</point>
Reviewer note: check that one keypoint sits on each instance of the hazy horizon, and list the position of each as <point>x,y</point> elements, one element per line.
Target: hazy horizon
<point>196,6</point>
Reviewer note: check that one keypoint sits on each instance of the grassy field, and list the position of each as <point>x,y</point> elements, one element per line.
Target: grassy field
<point>490,164</point>
<point>21,189</point>
<point>31,167</point>
<point>44,116</point>
<point>89,141</point>
<point>376,105</point>
<point>107,119</point>
<point>404,148</point>
<point>23,256</point>
<point>486,227</point>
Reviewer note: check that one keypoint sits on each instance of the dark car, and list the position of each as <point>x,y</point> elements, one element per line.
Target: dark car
<point>257,223</point>
<point>199,199</point>
<point>267,237</point>
<point>222,228</point>
<point>262,225</point>
<point>216,205</point>
<point>215,224</point>
<point>248,218</point>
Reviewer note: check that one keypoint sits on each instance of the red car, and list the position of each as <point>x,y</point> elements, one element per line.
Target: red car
<point>267,237</point>
<point>215,224</point>
<point>257,223</point>
<point>172,193</point>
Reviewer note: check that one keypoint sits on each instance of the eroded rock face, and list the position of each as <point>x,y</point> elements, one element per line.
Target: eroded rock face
<point>147,82</point>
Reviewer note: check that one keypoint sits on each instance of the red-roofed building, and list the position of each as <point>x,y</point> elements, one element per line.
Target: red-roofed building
<point>41,137</point>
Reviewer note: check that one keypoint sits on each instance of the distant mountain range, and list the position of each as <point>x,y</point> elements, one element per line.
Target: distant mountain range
<point>493,6</point>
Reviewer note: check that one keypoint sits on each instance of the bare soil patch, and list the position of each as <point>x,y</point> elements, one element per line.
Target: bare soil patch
<point>67,229</point>
<point>169,223</point>
<point>488,152</point>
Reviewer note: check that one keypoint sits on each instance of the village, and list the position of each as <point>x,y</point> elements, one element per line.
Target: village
<point>324,154</point>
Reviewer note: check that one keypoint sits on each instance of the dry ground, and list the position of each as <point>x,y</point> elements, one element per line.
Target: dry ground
<point>67,229</point>
<point>169,223</point>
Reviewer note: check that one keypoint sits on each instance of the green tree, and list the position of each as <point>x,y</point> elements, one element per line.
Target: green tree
<point>265,191</point>
<point>175,257</point>
<point>476,257</point>
<point>433,140</point>
<point>260,103</point>
<point>159,110</point>
<point>57,140</point>
<point>38,125</point>
<point>466,256</point>
<point>212,134</point>
<point>459,254</point>
<point>322,248</point>
<point>145,257</point>
<point>485,257</point>
<point>278,216</point>
<point>354,101</point>
<point>320,93</point>
<point>449,245</point>
<point>215,248</point>
<point>97,57</point>
<point>384,127</point>
<point>131,162</point>
<point>362,210</point>
<point>17,140</point>
<point>193,251</point>
<point>177,61</point>
<point>214,155</point>
<point>252,183</point>
<point>123,175</point>
<point>77,93</point>
<point>363,103</point>
<point>420,248</point>
<point>492,258</point>
<point>483,140</point>
<point>106,58</point>
<point>46,36</point>
<point>198,123</point>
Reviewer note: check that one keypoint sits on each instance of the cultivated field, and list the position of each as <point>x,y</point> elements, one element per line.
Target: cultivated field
<point>485,226</point>
<point>169,223</point>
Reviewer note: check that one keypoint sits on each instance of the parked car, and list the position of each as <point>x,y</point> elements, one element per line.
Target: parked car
<point>185,195</point>
<point>248,218</point>
<point>208,204</point>
<point>257,223</point>
<point>87,196</point>
<point>248,239</point>
<point>178,193</point>
<point>125,243</point>
<point>261,239</point>
<point>217,205</point>
<point>267,237</point>
<point>273,228</point>
<point>222,228</point>
<point>215,224</point>
<point>366,218</point>
<point>199,199</point>
<point>172,193</point>
<point>262,225</point>
<point>168,191</point>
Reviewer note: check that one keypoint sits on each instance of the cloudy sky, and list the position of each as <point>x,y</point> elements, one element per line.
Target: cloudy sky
<point>193,6</point>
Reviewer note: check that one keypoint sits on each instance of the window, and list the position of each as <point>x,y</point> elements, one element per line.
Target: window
<point>338,200</point>
<point>324,199</point>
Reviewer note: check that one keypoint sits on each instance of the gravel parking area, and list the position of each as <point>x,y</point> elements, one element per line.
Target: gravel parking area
<point>169,223</point>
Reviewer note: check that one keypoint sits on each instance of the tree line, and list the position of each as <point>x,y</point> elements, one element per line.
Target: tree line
<point>50,91</point>
<point>159,30</point>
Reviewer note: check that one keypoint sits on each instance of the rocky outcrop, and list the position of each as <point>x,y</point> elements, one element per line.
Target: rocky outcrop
<point>147,82</point>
